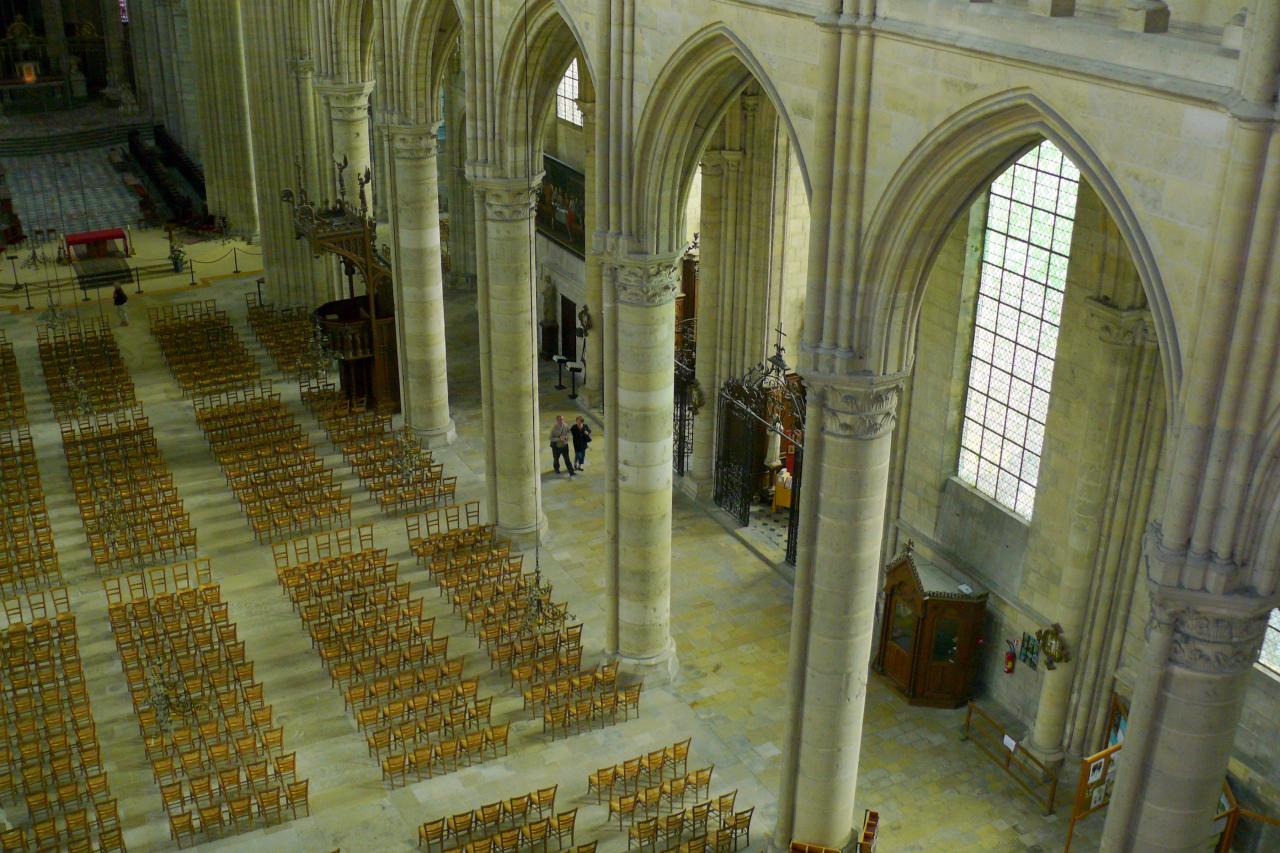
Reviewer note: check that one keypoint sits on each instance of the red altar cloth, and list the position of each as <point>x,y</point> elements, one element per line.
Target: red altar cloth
<point>85,237</point>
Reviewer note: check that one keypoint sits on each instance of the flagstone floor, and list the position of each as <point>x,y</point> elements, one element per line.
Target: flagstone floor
<point>730,618</point>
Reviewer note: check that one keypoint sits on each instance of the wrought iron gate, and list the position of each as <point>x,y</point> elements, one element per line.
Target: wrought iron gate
<point>750,410</point>
<point>688,396</point>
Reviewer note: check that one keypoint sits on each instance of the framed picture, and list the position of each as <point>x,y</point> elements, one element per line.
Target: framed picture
<point>1099,797</point>
<point>562,206</point>
<point>1095,771</point>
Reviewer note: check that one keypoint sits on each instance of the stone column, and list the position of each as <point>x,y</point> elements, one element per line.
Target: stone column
<point>700,479</point>
<point>847,444</point>
<point>1182,722</point>
<point>424,379</point>
<point>513,429</point>
<point>644,386</point>
<point>117,74</point>
<point>348,105</point>
<point>1108,384</point>
<point>462,203</point>
<point>55,34</point>
<point>592,388</point>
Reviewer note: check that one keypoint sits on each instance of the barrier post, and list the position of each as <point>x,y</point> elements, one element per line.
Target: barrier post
<point>137,279</point>
<point>191,264</point>
<point>235,258</point>
<point>28,295</point>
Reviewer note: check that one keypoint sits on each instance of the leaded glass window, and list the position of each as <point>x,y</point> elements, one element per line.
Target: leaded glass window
<point>567,96</point>
<point>1270,657</point>
<point>1026,245</point>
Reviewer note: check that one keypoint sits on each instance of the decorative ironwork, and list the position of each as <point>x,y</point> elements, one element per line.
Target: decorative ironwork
<point>168,697</point>
<point>688,395</point>
<point>752,408</point>
<point>539,612</point>
<point>319,356</point>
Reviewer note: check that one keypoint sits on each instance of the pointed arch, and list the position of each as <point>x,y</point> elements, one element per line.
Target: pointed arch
<point>943,174</point>
<point>353,22</point>
<point>430,36</point>
<point>689,97</point>
<point>542,40</point>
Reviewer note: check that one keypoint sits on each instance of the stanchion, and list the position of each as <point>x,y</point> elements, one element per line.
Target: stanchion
<point>259,284</point>
<point>191,264</point>
<point>559,360</point>
<point>137,279</point>
<point>574,370</point>
<point>28,295</point>
<point>235,259</point>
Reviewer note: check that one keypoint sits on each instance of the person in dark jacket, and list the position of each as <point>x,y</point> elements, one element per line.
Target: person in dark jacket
<point>119,298</point>
<point>580,432</point>
<point>560,444</point>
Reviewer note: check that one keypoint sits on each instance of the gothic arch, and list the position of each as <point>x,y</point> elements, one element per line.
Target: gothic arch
<point>431,33</point>
<point>942,175</point>
<point>1260,548</point>
<point>352,28</point>
<point>541,42</point>
<point>689,97</point>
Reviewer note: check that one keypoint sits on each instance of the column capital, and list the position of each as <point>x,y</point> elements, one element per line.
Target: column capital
<point>1215,635</point>
<point>346,100</point>
<point>508,199</point>
<point>1120,326</point>
<point>645,281</point>
<point>862,408</point>
<point>302,66</point>
<point>414,142</point>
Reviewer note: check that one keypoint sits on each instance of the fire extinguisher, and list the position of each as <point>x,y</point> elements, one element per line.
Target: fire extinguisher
<point>1010,656</point>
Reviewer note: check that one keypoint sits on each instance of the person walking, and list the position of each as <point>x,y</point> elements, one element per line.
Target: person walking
<point>560,444</point>
<point>119,298</point>
<point>581,434</point>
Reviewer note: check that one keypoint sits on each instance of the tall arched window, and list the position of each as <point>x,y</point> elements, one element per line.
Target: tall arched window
<point>567,96</point>
<point>1015,337</point>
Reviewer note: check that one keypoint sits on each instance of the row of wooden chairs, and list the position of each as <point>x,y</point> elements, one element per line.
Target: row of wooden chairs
<point>656,766</point>
<point>131,512</point>
<point>83,369</point>
<point>729,830</point>
<point>581,714</point>
<point>559,689</point>
<point>520,836</point>
<point>28,558</point>
<point>206,727</point>
<point>398,472</point>
<point>286,333</point>
<point>424,530</point>
<point>203,350</point>
<point>511,813</point>
<point>160,580</point>
<point>253,434</point>
<point>432,759</point>
<point>13,406</point>
<point>49,753</point>
<point>651,801</point>
<point>420,716</point>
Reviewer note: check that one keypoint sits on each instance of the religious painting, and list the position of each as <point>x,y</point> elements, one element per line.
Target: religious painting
<point>562,206</point>
<point>1095,772</point>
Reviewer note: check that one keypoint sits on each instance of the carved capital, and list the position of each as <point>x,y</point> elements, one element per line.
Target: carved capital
<point>1217,642</point>
<point>861,408</point>
<point>347,101</point>
<point>647,282</point>
<point>1124,327</point>
<point>301,67</point>
<point>508,200</point>
<point>414,142</point>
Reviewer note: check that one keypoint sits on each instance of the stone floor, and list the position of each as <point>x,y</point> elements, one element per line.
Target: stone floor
<point>730,617</point>
<point>70,192</point>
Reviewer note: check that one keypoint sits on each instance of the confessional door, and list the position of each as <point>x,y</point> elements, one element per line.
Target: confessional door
<point>944,670</point>
<point>903,605</point>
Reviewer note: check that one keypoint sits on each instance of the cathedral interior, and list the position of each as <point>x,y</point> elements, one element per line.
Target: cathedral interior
<point>933,352</point>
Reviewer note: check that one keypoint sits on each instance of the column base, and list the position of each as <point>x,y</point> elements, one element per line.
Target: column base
<point>1052,757</point>
<point>658,670</point>
<point>1053,8</point>
<point>696,487</point>
<point>1145,16</point>
<point>437,436</point>
<point>524,538</point>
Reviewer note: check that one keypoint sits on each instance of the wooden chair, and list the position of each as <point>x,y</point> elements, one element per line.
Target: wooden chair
<point>432,832</point>
<point>537,833</point>
<point>602,782</point>
<point>241,812</point>
<point>269,806</point>
<point>296,793</point>
<point>563,825</point>
<point>621,807</point>
<point>181,826</point>
<point>211,819</point>
<point>643,833</point>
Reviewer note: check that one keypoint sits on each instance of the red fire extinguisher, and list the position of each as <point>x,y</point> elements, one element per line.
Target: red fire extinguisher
<point>1010,656</point>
